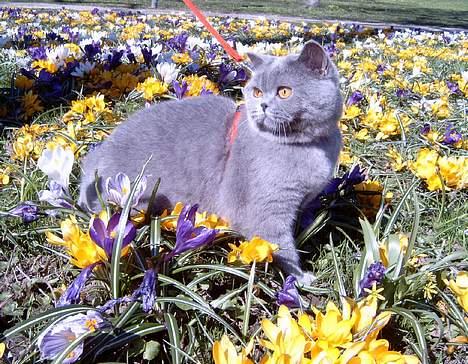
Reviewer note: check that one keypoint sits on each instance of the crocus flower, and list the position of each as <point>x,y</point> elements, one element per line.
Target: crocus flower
<point>57,164</point>
<point>229,74</point>
<point>179,89</point>
<point>56,195</point>
<point>187,235</point>
<point>26,210</point>
<point>289,294</point>
<point>224,352</point>
<point>72,293</point>
<point>453,87</point>
<point>451,136</point>
<point>118,190</point>
<point>374,276</point>
<point>167,71</point>
<point>104,236</point>
<point>426,129</point>
<point>147,290</point>
<point>56,339</point>
<point>355,98</point>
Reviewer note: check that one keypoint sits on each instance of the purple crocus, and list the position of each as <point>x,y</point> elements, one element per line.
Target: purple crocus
<point>72,293</point>
<point>179,89</point>
<point>451,136</point>
<point>335,186</point>
<point>56,195</point>
<point>91,50</point>
<point>380,68</point>
<point>228,74</point>
<point>426,129</point>
<point>27,210</point>
<point>375,274</point>
<point>147,290</point>
<point>187,235</point>
<point>289,294</point>
<point>355,98</point>
<point>57,338</point>
<point>104,236</point>
<point>453,87</point>
<point>147,56</point>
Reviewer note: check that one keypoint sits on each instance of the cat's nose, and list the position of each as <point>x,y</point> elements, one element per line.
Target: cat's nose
<point>264,106</point>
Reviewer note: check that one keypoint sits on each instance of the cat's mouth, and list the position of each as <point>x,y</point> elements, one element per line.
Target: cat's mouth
<point>278,128</point>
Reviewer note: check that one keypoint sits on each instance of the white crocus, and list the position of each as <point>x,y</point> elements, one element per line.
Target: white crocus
<point>57,164</point>
<point>83,69</point>
<point>167,71</point>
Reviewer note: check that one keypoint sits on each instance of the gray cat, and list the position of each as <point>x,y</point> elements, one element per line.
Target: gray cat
<point>285,152</point>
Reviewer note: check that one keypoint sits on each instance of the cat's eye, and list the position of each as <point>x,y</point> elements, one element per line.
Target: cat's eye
<point>284,92</point>
<point>257,92</point>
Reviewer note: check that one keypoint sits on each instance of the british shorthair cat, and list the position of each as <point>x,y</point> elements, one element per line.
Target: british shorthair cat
<point>284,154</point>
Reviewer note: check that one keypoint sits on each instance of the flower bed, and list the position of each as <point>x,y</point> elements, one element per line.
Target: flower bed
<point>385,239</point>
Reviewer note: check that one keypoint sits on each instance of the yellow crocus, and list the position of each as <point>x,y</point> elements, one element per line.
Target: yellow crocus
<point>82,249</point>
<point>256,249</point>
<point>224,352</point>
<point>459,287</point>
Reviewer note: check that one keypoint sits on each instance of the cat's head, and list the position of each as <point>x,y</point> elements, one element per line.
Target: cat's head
<point>293,99</point>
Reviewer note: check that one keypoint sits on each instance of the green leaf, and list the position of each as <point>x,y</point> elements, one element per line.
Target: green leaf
<point>53,313</point>
<point>155,235</point>
<point>117,248</point>
<point>130,334</point>
<point>317,225</point>
<point>418,330</point>
<point>338,273</point>
<point>152,349</point>
<point>225,269</point>
<point>414,230</point>
<point>173,331</point>
<point>248,300</point>
<point>202,309</point>
<point>398,208</point>
<point>170,281</point>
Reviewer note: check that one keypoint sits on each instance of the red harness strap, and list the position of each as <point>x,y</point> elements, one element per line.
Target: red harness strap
<point>233,130</point>
<point>231,51</point>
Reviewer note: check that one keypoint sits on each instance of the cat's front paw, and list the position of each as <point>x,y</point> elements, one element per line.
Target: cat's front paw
<point>306,279</point>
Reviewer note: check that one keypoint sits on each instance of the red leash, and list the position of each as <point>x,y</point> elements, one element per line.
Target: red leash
<point>231,51</point>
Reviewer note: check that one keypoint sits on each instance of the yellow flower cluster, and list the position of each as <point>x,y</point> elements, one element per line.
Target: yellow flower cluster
<point>196,84</point>
<point>211,221</point>
<point>82,249</point>
<point>28,142</point>
<point>152,88</point>
<point>349,337</point>
<point>87,110</point>
<point>439,172</point>
<point>459,288</point>
<point>254,250</point>
<point>181,58</point>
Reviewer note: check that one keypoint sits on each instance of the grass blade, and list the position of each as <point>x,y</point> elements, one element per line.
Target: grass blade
<point>339,275</point>
<point>116,249</point>
<point>202,309</point>
<point>248,300</point>
<point>130,334</point>
<point>418,330</point>
<point>173,331</point>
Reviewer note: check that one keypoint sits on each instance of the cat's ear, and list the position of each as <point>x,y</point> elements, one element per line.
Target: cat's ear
<point>256,59</point>
<point>314,57</point>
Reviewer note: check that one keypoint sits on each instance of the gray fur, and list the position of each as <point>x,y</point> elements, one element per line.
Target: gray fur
<point>280,158</point>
